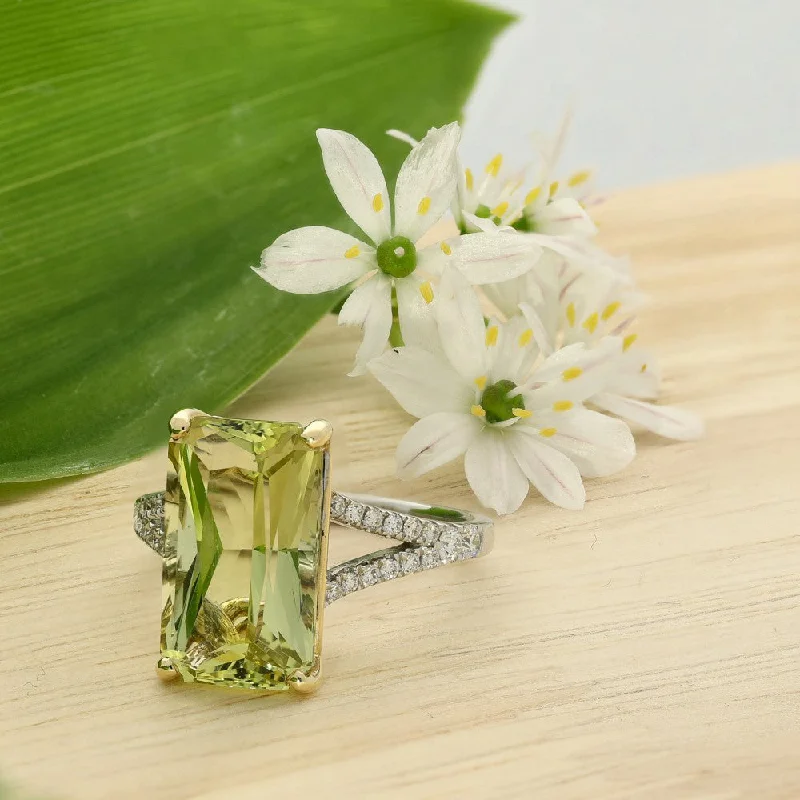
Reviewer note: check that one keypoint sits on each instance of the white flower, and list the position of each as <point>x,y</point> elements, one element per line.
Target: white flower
<point>553,211</point>
<point>550,215</point>
<point>516,423</point>
<point>593,308</point>
<point>547,208</point>
<point>311,260</point>
<point>550,211</point>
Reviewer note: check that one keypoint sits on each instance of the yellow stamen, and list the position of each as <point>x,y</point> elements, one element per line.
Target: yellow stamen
<point>532,195</point>
<point>548,432</point>
<point>629,340</point>
<point>522,413</point>
<point>590,323</point>
<point>426,290</point>
<point>570,312</point>
<point>525,337</point>
<point>500,209</point>
<point>571,373</point>
<point>469,179</point>
<point>377,202</point>
<point>424,206</point>
<point>477,411</point>
<point>491,336</point>
<point>553,189</point>
<point>446,249</point>
<point>610,310</point>
<point>562,405</point>
<point>353,252</point>
<point>481,382</point>
<point>493,167</point>
<point>577,178</point>
<point>644,367</point>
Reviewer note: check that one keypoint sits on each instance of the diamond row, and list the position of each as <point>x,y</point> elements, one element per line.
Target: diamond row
<point>360,573</point>
<point>397,525</point>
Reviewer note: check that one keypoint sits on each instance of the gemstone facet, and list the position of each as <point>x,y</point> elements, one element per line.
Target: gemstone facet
<point>246,516</point>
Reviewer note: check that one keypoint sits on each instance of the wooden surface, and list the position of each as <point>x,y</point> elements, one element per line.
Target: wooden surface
<point>648,647</point>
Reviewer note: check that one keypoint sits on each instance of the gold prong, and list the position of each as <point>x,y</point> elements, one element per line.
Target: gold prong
<point>306,683</point>
<point>318,433</point>
<point>165,669</point>
<point>181,421</point>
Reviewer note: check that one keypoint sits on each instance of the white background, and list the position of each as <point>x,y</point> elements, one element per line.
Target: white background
<point>659,89</point>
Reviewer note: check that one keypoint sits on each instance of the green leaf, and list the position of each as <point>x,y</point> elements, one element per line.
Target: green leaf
<point>149,151</point>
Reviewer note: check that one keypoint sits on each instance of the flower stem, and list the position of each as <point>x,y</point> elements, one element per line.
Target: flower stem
<point>395,334</point>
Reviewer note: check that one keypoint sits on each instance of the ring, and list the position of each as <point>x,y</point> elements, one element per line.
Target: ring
<point>242,529</point>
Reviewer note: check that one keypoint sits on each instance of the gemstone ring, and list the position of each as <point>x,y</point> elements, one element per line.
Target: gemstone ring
<point>242,529</point>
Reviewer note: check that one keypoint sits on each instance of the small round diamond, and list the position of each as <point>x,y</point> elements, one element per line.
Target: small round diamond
<point>411,529</point>
<point>338,506</point>
<point>389,568</point>
<point>354,513</point>
<point>368,575</point>
<point>429,532</point>
<point>445,554</point>
<point>373,519</point>
<point>348,582</point>
<point>392,524</point>
<point>451,543</point>
<point>408,561</point>
<point>333,592</point>
<point>430,558</point>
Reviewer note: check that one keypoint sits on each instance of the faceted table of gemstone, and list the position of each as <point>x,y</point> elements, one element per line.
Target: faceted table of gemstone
<point>245,553</point>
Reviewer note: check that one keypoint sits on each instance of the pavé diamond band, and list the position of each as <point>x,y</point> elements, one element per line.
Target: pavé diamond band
<point>243,532</point>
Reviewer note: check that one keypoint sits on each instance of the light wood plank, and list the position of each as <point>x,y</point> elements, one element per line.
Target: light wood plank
<point>648,647</point>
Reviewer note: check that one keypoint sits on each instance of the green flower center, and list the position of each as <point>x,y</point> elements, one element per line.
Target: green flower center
<point>397,257</point>
<point>482,211</point>
<point>497,403</point>
<point>524,224</point>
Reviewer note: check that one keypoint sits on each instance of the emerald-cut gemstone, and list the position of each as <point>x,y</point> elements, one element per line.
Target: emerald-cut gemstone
<point>245,554</point>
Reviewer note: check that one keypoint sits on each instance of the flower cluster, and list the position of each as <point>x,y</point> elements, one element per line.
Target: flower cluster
<point>510,340</point>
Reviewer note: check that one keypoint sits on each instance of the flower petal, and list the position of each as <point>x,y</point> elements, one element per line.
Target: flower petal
<point>312,260</point>
<point>574,373</point>
<point>638,375</point>
<point>462,331</point>
<point>426,183</point>
<point>580,252</point>
<point>551,472</point>
<point>417,320</point>
<point>598,445</point>
<point>433,441</point>
<point>540,333</point>
<point>494,257</point>
<point>422,382</point>
<point>370,307</point>
<point>515,352</point>
<point>668,421</point>
<point>565,217</point>
<point>493,474</point>
<point>484,224</point>
<point>508,295</point>
<point>357,181</point>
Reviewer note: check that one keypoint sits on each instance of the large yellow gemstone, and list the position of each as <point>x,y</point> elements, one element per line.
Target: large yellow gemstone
<point>246,551</point>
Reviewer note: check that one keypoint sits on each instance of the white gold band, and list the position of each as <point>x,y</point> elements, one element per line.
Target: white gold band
<point>431,537</point>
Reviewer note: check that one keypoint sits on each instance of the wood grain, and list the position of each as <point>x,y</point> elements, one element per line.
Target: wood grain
<point>648,647</point>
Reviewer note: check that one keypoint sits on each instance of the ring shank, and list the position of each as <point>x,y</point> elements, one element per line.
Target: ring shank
<point>430,536</point>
